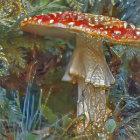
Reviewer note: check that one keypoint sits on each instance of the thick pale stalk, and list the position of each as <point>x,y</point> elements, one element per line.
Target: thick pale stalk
<point>92,103</point>
<point>88,68</point>
<point>88,63</point>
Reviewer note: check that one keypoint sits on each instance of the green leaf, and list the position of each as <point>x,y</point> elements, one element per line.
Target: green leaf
<point>82,116</point>
<point>29,136</point>
<point>48,114</point>
<point>0,136</point>
<point>110,125</point>
<point>66,121</point>
<point>43,2</point>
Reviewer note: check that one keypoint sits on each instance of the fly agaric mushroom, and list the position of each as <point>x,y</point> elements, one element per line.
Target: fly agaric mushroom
<point>87,66</point>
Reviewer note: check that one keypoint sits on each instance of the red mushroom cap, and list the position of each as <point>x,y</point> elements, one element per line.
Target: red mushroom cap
<point>66,24</point>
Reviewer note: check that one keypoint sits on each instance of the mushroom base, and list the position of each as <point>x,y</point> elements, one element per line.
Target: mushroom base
<point>92,103</point>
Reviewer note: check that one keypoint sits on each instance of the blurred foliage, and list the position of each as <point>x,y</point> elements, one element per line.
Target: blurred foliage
<point>44,107</point>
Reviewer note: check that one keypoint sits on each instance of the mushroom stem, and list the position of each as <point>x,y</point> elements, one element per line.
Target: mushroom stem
<point>92,103</point>
<point>88,68</point>
<point>88,62</point>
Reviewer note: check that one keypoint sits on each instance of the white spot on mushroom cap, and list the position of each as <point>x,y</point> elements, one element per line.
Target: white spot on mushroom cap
<point>117,32</point>
<point>74,14</point>
<point>91,24</point>
<point>87,29</point>
<point>107,19</point>
<point>86,14</point>
<point>67,16</point>
<point>71,23</point>
<point>135,37</point>
<point>98,32</point>
<point>113,35</point>
<point>96,21</point>
<point>39,21</point>
<point>81,26</point>
<point>101,18</point>
<point>106,27</point>
<point>25,19</point>
<point>138,32</point>
<point>105,32</point>
<point>133,26</point>
<point>51,21</point>
<point>125,25</point>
